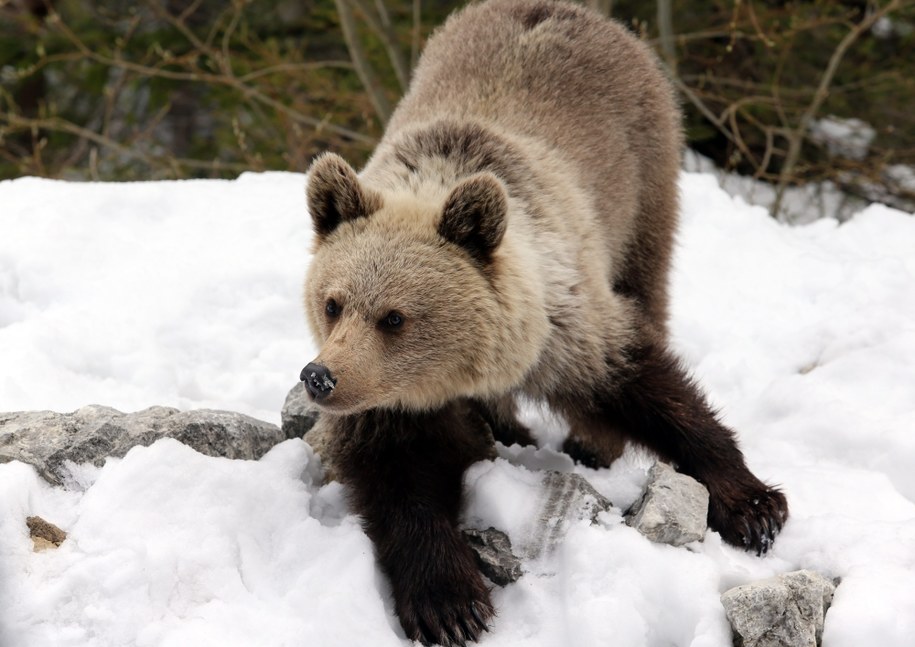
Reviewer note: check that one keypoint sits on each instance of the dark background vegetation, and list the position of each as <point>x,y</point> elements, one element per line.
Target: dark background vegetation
<point>144,89</point>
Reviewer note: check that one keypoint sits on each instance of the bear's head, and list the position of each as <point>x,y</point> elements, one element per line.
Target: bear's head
<point>401,294</point>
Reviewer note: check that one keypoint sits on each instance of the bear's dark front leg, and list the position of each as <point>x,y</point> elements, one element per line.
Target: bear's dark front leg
<point>404,473</point>
<point>649,397</point>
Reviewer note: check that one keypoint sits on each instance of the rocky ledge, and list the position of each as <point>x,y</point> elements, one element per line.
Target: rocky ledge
<point>49,441</point>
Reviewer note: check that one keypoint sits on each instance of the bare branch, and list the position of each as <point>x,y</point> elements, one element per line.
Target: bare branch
<point>294,67</point>
<point>414,45</point>
<point>381,27</point>
<point>700,105</point>
<point>361,63</point>
<point>666,31</point>
<point>62,125</point>
<point>226,58</point>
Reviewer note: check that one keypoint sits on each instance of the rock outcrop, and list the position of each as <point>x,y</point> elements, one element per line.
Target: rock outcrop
<point>299,413</point>
<point>48,440</point>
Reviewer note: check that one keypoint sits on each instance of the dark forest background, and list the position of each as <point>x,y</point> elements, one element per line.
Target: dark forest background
<point>148,89</point>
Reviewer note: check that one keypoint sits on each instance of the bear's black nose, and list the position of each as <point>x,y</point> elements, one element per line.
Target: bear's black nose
<point>318,380</point>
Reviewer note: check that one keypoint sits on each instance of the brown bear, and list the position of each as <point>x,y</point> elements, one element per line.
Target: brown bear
<point>511,234</point>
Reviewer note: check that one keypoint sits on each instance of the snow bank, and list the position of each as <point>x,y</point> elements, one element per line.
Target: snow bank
<point>136,294</point>
<point>187,294</point>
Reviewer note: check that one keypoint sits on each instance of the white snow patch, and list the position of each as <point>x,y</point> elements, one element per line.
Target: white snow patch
<point>800,204</point>
<point>135,294</point>
<point>850,138</point>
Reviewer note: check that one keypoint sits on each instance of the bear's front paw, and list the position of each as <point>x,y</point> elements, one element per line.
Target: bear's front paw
<point>447,615</point>
<point>747,514</point>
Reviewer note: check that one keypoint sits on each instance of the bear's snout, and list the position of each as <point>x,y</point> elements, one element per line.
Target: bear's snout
<point>318,380</point>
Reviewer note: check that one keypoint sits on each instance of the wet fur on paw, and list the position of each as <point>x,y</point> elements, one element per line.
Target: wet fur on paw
<point>449,606</point>
<point>747,513</point>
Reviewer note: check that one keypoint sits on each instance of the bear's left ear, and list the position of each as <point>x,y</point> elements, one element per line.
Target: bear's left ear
<point>474,216</point>
<point>335,194</point>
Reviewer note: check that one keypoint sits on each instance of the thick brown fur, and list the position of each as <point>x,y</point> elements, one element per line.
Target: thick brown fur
<point>404,472</point>
<point>512,233</point>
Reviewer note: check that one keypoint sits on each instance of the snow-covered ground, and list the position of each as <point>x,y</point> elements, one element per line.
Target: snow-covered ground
<point>187,294</point>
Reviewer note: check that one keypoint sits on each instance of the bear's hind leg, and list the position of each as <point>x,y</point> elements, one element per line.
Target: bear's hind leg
<point>650,398</point>
<point>593,445</point>
<point>404,476</point>
<point>501,414</point>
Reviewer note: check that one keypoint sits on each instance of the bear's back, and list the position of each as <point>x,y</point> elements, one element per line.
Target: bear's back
<point>539,68</point>
<point>581,85</point>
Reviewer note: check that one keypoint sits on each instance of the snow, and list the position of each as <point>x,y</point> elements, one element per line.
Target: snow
<point>144,293</point>
<point>849,138</point>
<point>800,205</point>
<point>903,176</point>
<point>188,294</point>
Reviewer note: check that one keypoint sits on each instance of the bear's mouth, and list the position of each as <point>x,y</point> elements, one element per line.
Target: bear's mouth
<point>326,395</point>
<point>337,407</point>
<point>334,402</point>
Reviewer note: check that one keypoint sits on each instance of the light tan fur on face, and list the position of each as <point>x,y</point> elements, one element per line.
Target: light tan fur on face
<point>448,346</point>
<point>570,114</point>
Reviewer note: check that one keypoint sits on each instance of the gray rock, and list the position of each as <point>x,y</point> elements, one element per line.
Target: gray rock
<point>673,509</point>
<point>47,440</point>
<point>299,413</point>
<point>570,496</point>
<point>783,611</point>
<point>493,550</point>
<point>566,497</point>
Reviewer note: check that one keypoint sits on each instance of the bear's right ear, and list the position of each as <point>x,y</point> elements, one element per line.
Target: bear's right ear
<point>335,194</point>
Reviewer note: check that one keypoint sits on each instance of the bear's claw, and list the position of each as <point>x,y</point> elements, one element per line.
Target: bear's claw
<point>749,515</point>
<point>447,624</point>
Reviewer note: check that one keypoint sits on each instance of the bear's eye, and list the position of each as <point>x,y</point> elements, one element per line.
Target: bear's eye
<point>332,308</point>
<point>392,321</point>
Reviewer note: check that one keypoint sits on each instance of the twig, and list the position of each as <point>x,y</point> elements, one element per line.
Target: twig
<point>381,26</point>
<point>294,67</point>
<point>414,40</point>
<point>361,63</point>
<point>62,125</point>
<point>700,105</point>
<point>226,58</point>
<point>666,31</point>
